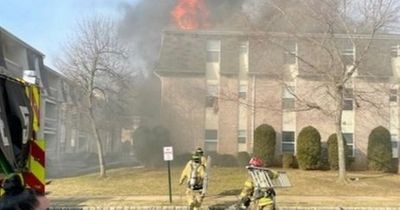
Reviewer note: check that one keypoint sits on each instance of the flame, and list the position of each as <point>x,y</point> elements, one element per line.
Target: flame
<point>190,14</point>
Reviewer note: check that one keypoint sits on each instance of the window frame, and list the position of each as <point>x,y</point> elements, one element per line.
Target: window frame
<point>350,144</point>
<point>242,134</point>
<point>213,54</point>
<point>242,91</point>
<point>206,139</point>
<point>292,141</point>
<point>395,51</point>
<point>393,95</point>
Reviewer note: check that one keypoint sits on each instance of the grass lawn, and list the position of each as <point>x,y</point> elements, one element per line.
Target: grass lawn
<point>225,181</point>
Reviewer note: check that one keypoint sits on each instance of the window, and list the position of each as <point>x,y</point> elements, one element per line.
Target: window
<point>348,54</point>
<point>348,93</point>
<point>393,95</point>
<point>348,137</point>
<point>288,141</point>
<point>211,135</point>
<point>211,101</point>
<point>288,101</point>
<point>213,51</point>
<point>244,47</point>
<point>290,54</point>
<point>395,150</point>
<point>212,93</point>
<point>242,91</point>
<point>395,51</point>
<point>211,140</point>
<point>242,136</point>
<point>348,99</point>
<point>288,91</point>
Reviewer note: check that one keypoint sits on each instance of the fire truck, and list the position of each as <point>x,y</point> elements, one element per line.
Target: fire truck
<point>21,151</point>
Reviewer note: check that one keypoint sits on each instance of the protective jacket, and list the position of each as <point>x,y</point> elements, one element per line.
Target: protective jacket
<point>259,198</point>
<point>194,173</point>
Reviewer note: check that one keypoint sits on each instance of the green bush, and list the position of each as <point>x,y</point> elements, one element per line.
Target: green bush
<point>395,165</point>
<point>148,145</point>
<point>223,160</point>
<point>379,150</point>
<point>309,148</point>
<point>333,152</point>
<point>288,160</point>
<point>243,158</point>
<point>182,159</point>
<point>227,160</point>
<point>264,143</point>
<point>324,159</point>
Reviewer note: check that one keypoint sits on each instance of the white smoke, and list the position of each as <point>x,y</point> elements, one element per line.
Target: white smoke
<point>254,9</point>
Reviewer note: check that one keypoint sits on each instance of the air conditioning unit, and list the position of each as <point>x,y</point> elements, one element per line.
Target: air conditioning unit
<point>29,76</point>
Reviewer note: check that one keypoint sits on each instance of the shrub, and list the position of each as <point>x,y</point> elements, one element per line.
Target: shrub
<point>148,145</point>
<point>395,165</point>
<point>379,150</point>
<point>227,160</point>
<point>333,152</point>
<point>324,159</point>
<point>288,160</point>
<point>243,158</point>
<point>223,160</point>
<point>308,148</point>
<point>182,159</point>
<point>126,147</point>
<point>264,143</point>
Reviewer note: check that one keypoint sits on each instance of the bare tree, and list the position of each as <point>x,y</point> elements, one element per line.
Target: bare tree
<point>324,28</point>
<point>95,59</point>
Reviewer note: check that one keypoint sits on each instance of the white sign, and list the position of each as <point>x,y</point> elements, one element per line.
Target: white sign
<point>168,153</point>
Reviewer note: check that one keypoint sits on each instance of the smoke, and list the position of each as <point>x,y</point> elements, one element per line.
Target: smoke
<point>254,9</point>
<point>142,25</point>
<point>141,28</point>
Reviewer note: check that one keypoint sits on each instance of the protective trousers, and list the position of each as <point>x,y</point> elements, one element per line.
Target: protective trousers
<point>256,206</point>
<point>194,198</point>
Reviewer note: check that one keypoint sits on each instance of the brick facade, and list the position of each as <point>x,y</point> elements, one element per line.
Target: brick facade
<point>184,109</point>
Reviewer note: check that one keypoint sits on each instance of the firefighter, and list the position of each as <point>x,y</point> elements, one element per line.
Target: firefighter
<point>257,199</point>
<point>17,197</point>
<point>194,173</point>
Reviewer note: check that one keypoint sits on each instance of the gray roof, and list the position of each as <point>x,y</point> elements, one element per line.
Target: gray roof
<point>10,35</point>
<point>185,52</point>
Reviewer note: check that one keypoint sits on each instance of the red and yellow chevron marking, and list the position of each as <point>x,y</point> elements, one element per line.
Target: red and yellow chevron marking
<point>35,178</point>
<point>34,96</point>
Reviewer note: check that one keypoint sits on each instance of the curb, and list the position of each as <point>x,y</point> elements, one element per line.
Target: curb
<point>217,208</point>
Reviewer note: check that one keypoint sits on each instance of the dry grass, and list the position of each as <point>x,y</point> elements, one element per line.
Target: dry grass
<point>320,186</point>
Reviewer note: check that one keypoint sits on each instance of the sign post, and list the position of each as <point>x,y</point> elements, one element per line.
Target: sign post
<point>168,156</point>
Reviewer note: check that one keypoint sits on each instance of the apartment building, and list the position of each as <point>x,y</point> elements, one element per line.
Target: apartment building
<point>217,87</point>
<point>64,123</point>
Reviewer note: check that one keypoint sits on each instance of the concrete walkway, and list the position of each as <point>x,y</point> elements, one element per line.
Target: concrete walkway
<point>222,202</point>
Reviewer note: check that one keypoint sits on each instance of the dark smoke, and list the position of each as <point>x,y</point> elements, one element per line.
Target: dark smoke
<point>144,22</point>
<point>141,28</point>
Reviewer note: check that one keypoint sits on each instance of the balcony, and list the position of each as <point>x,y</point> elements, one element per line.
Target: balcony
<point>14,69</point>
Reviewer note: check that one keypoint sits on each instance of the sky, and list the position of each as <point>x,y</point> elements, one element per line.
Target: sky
<point>46,24</point>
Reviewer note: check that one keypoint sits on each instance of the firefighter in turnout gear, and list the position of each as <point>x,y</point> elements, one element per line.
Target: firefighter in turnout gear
<point>257,199</point>
<point>194,173</point>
